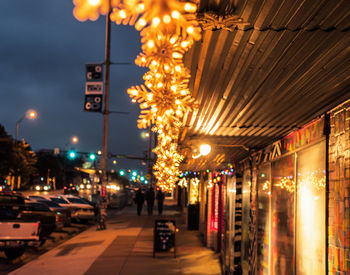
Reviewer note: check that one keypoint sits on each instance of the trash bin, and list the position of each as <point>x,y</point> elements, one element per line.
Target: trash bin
<point>193,217</point>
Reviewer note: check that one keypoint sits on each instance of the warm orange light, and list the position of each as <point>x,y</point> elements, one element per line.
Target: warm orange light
<point>166,19</point>
<point>75,139</point>
<point>164,97</point>
<point>31,114</point>
<point>155,21</point>
<point>175,15</point>
<point>122,14</point>
<point>94,2</point>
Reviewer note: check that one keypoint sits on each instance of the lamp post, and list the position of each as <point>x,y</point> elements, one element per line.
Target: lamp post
<point>30,114</point>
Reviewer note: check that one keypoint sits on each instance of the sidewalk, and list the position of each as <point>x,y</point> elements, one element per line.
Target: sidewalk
<point>126,247</point>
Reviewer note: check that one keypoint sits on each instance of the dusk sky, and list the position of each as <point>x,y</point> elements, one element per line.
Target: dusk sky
<point>43,52</point>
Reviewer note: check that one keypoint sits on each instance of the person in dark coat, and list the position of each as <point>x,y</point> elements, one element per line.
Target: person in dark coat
<point>160,199</point>
<point>139,200</point>
<point>149,196</point>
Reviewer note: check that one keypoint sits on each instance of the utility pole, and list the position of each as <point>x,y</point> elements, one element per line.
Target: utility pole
<point>106,99</point>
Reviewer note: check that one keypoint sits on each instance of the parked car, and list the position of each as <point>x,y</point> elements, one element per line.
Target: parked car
<point>36,211</point>
<point>63,215</point>
<point>16,235</point>
<point>81,210</point>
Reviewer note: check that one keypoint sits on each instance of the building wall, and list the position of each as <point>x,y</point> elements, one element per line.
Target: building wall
<point>339,191</point>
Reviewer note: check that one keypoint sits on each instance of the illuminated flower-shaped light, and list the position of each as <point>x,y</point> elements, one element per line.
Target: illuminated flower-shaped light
<point>160,103</point>
<point>168,28</point>
<point>91,9</point>
<point>175,16</point>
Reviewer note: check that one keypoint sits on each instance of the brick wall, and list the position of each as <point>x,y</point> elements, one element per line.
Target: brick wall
<point>339,191</point>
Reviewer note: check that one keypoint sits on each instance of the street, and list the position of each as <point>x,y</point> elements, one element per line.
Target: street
<point>125,247</point>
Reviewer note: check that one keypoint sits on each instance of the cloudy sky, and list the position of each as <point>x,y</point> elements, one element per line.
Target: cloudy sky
<point>43,52</point>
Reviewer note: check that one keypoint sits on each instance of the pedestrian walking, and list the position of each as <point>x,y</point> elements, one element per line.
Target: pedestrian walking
<point>149,196</point>
<point>139,200</point>
<point>160,199</point>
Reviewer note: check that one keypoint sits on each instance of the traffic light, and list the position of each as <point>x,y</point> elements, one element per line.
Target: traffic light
<point>121,172</point>
<point>92,156</point>
<point>71,154</point>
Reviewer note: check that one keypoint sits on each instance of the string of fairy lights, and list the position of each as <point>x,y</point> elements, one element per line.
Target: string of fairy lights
<point>168,29</point>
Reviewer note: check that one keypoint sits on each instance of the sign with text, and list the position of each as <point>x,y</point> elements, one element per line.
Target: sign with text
<point>93,88</point>
<point>93,103</point>
<point>94,72</point>
<point>164,236</point>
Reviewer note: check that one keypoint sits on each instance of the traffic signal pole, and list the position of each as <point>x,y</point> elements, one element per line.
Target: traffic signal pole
<point>106,99</point>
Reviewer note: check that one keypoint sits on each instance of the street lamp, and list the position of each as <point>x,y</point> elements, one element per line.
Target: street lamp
<point>30,114</point>
<point>75,139</point>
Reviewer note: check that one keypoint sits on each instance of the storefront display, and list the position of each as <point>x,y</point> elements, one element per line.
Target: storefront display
<point>310,210</point>
<point>282,215</point>
<point>264,195</point>
<point>246,185</point>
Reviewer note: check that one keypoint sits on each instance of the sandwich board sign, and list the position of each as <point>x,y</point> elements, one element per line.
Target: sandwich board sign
<point>164,236</point>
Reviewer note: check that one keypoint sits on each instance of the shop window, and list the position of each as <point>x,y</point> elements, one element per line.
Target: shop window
<point>229,223</point>
<point>282,215</point>
<point>246,185</point>
<point>310,210</point>
<point>264,194</point>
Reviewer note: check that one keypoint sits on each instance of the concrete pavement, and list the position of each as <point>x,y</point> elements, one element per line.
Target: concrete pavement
<point>126,247</point>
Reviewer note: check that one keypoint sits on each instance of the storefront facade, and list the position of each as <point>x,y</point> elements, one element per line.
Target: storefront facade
<point>289,194</point>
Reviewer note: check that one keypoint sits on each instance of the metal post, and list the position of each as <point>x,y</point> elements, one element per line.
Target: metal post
<point>106,98</point>
<point>17,127</point>
<point>149,169</point>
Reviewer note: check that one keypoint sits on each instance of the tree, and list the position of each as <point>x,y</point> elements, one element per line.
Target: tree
<point>16,159</point>
<point>25,161</point>
<point>6,152</point>
<point>49,165</point>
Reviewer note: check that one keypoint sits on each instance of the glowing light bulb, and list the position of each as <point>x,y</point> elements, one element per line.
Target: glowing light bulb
<point>185,44</point>
<point>150,44</point>
<point>144,105</point>
<point>155,21</point>
<point>173,40</point>
<point>94,2</point>
<point>149,96</point>
<point>175,15</point>
<point>166,68</point>
<point>141,7</point>
<point>183,92</point>
<point>140,24</point>
<point>158,75</point>
<point>190,30</point>
<point>177,55</point>
<point>173,88</point>
<point>178,102</point>
<point>154,109</point>
<point>190,8</point>
<point>134,92</point>
<point>122,14</point>
<point>133,100</point>
<point>178,68</point>
<point>166,19</point>
<point>160,85</point>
